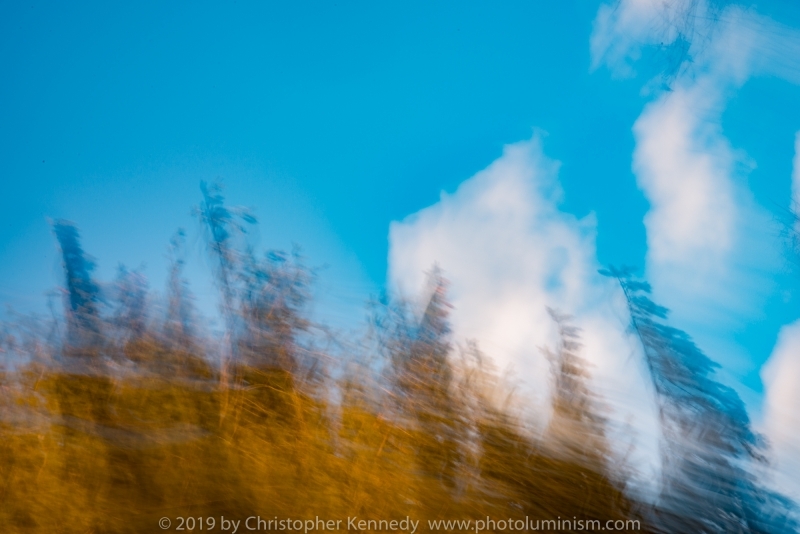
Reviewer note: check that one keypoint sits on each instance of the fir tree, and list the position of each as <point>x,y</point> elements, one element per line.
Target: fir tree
<point>709,448</point>
<point>576,428</point>
<point>82,297</point>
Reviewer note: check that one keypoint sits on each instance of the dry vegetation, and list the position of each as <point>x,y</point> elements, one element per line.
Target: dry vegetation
<point>115,415</point>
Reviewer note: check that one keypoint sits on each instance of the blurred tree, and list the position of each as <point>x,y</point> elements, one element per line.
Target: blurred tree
<point>82,298</point>
<point>222,224</point>
<point>577,427</point>
<point>418,352</point>
<point>709,449</point>
<point>274,293</point>
<point>129,299</point>
<point>178,326</point>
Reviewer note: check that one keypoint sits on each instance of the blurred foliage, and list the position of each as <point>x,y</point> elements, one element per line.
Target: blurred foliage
<point>115,452</point>
<point>710,453</point>
<point>131,413</point>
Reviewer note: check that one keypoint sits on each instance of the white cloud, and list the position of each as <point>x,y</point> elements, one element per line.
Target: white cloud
<point>711,248</point>
<point>684,172</point>
<point>692,37</point>
<point>712,251</point>
<point>623,29</point>
<point>509,253</point>
<point>781,376</point>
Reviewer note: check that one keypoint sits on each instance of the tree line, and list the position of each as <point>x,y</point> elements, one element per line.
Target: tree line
<point>115,412</point>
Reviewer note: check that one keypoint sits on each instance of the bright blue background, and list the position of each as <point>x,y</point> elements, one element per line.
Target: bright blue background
<point>331,119</point>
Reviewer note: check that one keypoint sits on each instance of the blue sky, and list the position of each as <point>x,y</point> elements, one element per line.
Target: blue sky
<point>332,120</point>
<point>335,119</point>
<point>365,113</point>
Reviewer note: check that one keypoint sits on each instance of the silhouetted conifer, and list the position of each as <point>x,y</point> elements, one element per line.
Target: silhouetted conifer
<point>82,298</point>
